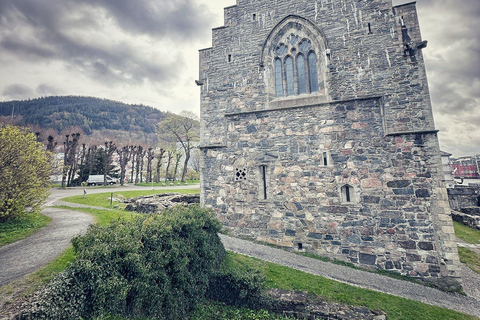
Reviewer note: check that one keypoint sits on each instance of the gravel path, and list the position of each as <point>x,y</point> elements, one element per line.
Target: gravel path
<point>354,277</point>
<point>25,256</point>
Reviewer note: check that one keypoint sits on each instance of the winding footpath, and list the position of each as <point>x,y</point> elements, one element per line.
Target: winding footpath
<point>25,256</point>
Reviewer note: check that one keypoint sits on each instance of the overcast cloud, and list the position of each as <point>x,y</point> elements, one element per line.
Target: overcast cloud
<point>146,51</point>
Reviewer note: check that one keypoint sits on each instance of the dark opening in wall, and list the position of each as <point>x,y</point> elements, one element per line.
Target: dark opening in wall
<point>254,17</point>
<point>263,175</point>
<point>325,159</point>
<point>300,246</point>
<point>347,193</point>
<point>369,28</point>
<point>229,58</point>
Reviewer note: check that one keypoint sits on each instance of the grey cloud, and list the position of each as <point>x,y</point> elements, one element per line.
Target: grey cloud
<point>17,92</point>
<point>49,23</point>
<point>47,90</point>
<point>174,19</point>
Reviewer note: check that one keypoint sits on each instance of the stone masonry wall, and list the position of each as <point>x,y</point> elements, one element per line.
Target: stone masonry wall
<point>352,171</point>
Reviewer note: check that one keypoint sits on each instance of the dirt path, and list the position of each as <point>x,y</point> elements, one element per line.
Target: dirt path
<point>25,256</point>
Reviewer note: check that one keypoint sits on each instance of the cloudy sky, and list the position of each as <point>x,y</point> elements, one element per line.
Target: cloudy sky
<point>146,51</point>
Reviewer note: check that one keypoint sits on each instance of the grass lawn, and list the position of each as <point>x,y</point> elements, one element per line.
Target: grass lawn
<point>396,308</point>
<point>103,199</point>
<point>470,258</point>
<point>22,227</point>
<point>466,233</point>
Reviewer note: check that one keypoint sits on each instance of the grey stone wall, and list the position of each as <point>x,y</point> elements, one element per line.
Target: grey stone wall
<point>461,197</point>
<point>352,171</point>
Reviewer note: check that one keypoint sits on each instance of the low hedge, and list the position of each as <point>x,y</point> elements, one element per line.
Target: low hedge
<point>156,266</point>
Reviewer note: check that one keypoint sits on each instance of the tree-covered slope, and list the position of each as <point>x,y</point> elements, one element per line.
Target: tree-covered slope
<point>89,113</point>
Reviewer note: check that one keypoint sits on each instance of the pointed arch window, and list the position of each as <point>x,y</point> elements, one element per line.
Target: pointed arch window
<point>312,68</point>
<point>302,77</point>
<point>296,67</point>
<point>278,78</point>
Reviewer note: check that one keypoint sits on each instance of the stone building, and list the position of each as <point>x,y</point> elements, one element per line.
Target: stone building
<point>317,134</point>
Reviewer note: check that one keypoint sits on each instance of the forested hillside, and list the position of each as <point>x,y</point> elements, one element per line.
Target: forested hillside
<point>91,114</point>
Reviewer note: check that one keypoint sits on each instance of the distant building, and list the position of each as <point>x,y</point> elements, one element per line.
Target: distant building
<point>447,169</point>
<point>466,167</point>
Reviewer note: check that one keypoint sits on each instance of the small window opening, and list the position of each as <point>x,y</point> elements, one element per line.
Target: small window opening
<point>300,246</point>
<point>263,173</point>
<point>325,159</point>
<point>347,193</point>
<point>240,174</point>
<point>229,58</point>
<point>369,28</point>
<point>254,17</point>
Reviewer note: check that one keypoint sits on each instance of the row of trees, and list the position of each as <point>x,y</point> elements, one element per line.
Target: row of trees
<point>179,135</point>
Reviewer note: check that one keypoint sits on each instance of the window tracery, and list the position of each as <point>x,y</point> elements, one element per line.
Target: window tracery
<point>295,67</point>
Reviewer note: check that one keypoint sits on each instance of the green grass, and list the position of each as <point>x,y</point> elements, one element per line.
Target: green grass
<point>103,199</point>
<point>470,258</point>
<point>22,227</point>
<point>396,308</point>
<point>466,233</point>
<point>168,183</point>
<point>104,217</point>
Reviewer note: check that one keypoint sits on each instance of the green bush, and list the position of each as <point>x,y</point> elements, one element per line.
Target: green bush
<point>24,173</point>
<point>154,266</point>
<point>238,287</point>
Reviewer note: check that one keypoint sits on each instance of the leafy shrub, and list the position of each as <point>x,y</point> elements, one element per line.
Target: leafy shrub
<point>154,266</point>
<point>238,287</point>
<point>24,172</point>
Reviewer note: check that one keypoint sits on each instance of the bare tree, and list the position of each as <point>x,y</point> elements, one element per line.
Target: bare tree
<point>184,129</point>
<point>51,143</point>
<point>178,157</point>
<point>139,161</point>
<point>70,147</point>
<point>150,157</point>
<point>170,154</point>
<point>133,151</point>
<point>124,157</point>
<point>160,156</point>
<point>108,159</point>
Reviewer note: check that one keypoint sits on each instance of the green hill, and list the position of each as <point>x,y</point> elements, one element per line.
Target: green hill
<point>91,114</point>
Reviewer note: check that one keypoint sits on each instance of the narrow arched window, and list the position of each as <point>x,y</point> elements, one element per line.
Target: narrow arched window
<point>302,76</point>
<point>312,68</point>
<point>289,76</point>
<point>278,78</point>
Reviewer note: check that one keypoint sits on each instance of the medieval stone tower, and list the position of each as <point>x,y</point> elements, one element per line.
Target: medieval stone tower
<point>317,134</point>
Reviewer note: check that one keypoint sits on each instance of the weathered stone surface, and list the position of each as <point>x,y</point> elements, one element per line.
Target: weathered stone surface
<point>361,151</point>
<point>158,202</point>
<point>301,306</point>
<point>466,219</point>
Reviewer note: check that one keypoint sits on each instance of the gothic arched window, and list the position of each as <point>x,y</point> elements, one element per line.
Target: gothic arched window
<point>301,74</point>
<point>312,68</point>
<point>295,66</point>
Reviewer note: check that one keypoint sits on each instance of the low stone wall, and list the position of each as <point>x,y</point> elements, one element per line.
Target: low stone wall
<point>159,202</point>
<point>462,197</point>
<point>299,305</point>
<point>469,216</point>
